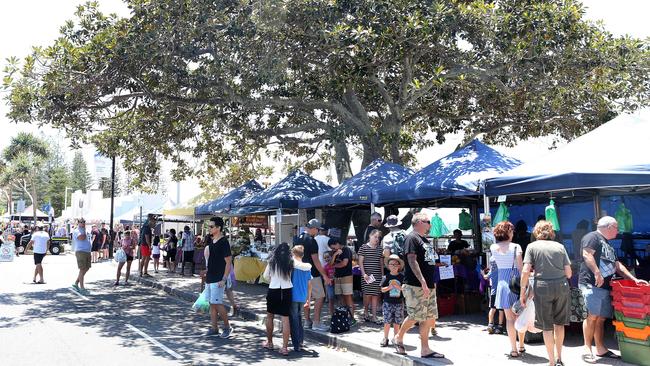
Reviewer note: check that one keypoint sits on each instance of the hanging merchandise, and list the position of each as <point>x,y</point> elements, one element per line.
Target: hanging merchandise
<point>551,215</point>
<point>464,220</point>
<point>502,214</point>
<point>438,227</point>
<point>624,219</point>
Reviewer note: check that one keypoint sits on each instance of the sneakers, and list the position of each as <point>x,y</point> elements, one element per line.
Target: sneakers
<point>353,322</point>
<point>226,333</point>
<point>321,327</point>
<point>75,287</point>
<point>83,291</point>
<point>212,332</point>
<point>308,324</point>
<point>490,328</point>
<point>498,329</point>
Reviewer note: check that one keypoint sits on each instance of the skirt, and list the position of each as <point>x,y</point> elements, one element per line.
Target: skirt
<point>278,301</point>
<point>504,297</point>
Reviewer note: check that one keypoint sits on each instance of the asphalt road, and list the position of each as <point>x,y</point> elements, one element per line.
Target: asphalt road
<point>50,324</point>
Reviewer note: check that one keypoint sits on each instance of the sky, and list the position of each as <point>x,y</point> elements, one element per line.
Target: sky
<point>28,23</point>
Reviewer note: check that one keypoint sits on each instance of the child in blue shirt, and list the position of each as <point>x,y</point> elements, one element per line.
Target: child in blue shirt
<point>300,295</point>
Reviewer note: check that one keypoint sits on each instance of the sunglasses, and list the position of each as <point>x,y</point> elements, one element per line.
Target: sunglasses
<point>393,264</point>
<point>426,222</point>
<point>211,226</point>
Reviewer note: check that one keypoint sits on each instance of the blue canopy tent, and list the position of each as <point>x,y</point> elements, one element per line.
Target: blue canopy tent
<point>457,175</point>
<point>357,191</point>
<point>285,193</point>
<point>615,155</point>
<point>224,203</point>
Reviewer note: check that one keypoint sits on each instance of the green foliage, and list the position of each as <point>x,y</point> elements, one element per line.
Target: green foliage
<point>215,84</point>
<point>58,180</point>
<point>80,177</point>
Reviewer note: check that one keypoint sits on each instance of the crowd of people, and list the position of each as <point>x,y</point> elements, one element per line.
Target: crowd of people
<point>397,278</point>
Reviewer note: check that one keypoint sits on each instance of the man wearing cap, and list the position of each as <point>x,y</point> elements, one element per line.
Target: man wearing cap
<point>81,246</point>
<point>41,243</point>
<point>317,270</point>
<point>393,242</point>
<point>375,224</point>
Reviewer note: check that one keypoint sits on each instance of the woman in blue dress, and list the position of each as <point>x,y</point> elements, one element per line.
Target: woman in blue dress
<point>508,258</point>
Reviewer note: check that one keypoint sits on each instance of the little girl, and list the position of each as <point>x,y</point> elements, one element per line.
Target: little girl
<point>155,252</point>
<point>329,289</point>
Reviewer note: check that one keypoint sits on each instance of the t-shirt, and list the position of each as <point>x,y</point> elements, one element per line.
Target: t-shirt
<point>188,241</point>
<point>172,243</point>
<point>548,258</point>
<point>604,256</point>
<point>394,241</point>
<point>127,245</point>
<point>218,252</point>
<point>300,279</point>
<point>346,253</point>
<point>393,296</point>
<point>311,247</point>
<point>97,237</point>
<point>457,245</point>
<point>78,244</point>
<point>322,241</point>
<point>146,230</point>
<point>418,245</point>
<point>104,238</point>
<point>40,239</point>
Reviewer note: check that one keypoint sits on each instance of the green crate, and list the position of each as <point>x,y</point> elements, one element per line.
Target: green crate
<point>634,351</point>
<point>632,322</point>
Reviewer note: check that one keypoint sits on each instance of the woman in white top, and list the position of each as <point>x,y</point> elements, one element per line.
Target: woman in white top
<point>507,256</point>
<point>278,297</point>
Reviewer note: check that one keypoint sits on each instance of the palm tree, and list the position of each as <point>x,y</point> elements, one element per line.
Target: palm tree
<point>24,156</point>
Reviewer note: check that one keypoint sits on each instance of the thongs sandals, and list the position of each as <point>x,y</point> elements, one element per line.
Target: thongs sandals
<point>434,354</point>
<point>384,342</point>
<point>522,350</point>
<point>514,354</point>
<point>267,346</point>
<point>399,348</point>
<point>284,351</point>
<point>609,354</point>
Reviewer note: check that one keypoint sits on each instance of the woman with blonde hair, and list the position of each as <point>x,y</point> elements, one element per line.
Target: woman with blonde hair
<point>507,256</point>
<point>552,269</point>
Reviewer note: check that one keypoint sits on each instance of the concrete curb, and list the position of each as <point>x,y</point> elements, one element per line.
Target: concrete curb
<point>324,338</point>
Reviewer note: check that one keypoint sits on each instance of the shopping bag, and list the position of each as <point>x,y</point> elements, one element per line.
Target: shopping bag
<point>526,320</point>
<point>202,305</point>
<point>120,256</point>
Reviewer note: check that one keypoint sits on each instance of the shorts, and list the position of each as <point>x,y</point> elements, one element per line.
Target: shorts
<point>129,258</point>
<point>330,291</point>
<point>95,247</point>
<point>38,258</point>
<point>393,312</point>
<point>83,260</point>
<point>493,301</point>
<point>188,256</point>
<point>214,293</point>
<point>171,255</point>
<point>418,306</point>
<point>145,251</point>
<point>552,303</point>
<point>597,300</point>
<point>278,301</point>
<point>156,256</point>
<point>343,285</point>
<point>317,289</point>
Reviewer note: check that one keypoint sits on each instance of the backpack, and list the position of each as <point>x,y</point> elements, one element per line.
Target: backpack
<point>341,320</point>
<point>398,243</point>
<point>299,240</point>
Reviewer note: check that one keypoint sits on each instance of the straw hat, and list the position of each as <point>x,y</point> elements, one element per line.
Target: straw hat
<point>397,258</point>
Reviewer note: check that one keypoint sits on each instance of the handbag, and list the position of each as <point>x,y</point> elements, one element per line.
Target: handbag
<point>515,281</point>
<point>120,256</point>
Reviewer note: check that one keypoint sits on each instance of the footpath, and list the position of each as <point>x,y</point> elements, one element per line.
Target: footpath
<point>461,338</point>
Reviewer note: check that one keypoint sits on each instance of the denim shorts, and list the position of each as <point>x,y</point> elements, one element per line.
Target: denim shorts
<point>215,293</point>
<point>597,300</point>
<point>330,292</point>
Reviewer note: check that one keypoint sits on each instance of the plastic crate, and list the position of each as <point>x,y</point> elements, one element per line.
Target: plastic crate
<point>630,291</point>
<point>637,306</point>
<point>634,351</point>
<point>632,322</point>
<point>640,334</point>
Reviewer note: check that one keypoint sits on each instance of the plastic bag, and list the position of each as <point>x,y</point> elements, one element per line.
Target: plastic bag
<point>526,320</point>
<point>202,305</point>
<point>120,256</point>
<point>502,214</point>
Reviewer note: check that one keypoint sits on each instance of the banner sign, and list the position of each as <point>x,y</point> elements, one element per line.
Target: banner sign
<point>256,221</point>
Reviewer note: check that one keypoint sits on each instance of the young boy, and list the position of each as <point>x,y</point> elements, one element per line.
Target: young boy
<point>300,295</point>
<point>491,276</point>
<point>391,288</point>
<point>342,262</point>
<point>329,289</point>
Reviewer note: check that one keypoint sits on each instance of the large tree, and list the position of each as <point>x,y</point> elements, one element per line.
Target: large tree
<point>25,156</point>
<point>80,177</point>
<point>230,81</point>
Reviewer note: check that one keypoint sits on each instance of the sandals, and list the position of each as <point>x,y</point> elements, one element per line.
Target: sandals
<point>284,351</point>
<point>267,346</point>
<point>609,354</point>
<point>399,348</point>
<point>522,350</point>
<point>514,354</point>
<point>384,343</point>
<point>434,354</point>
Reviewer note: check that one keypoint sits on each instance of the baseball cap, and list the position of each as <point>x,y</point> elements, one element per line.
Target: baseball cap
<point>313,223</point>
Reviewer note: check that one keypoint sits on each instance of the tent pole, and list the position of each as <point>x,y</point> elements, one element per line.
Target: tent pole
<point>279,233</point>
<point>597,208</point>
<point>372,208</point>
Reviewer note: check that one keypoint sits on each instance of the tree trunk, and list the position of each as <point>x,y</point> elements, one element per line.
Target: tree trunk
<point>342,161</point>
<point>372,150</point>
<point>34,201</point>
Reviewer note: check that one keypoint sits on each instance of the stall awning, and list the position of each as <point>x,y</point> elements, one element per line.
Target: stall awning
<point>358,189</point>
<point>457,174</point>
<point>616,154</point>
<point>224,203</point>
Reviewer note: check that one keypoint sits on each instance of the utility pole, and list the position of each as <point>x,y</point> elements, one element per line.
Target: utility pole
<point>111,232</point>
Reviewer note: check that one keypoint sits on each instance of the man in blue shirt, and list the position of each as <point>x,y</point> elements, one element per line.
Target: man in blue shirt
<point>81,246</point>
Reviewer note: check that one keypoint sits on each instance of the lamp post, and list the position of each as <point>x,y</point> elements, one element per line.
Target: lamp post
<point>111,232</point>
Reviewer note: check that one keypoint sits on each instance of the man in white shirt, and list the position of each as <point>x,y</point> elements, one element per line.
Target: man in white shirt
<point>41,242</point>
<point>322,240</point>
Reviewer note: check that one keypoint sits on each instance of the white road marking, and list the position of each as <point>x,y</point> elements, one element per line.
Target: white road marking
<point>78,294</point>
<point>154,342</point>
